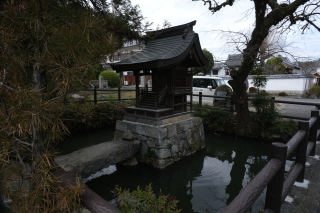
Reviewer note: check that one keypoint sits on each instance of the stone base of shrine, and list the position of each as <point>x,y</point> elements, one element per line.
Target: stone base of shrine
<point>162,145</point>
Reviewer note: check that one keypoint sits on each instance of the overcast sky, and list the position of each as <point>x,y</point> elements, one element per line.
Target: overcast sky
<point>233,18</point>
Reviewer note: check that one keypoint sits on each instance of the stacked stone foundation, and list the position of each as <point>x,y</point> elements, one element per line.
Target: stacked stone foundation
<point>162,145</point>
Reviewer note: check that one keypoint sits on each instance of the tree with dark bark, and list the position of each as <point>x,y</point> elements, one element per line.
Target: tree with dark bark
<point>268,14</point>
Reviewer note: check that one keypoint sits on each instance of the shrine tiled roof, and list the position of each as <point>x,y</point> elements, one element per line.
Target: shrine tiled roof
<point>168,48</point>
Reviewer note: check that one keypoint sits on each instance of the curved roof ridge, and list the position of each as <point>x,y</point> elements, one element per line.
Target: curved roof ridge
<point>165,52</point>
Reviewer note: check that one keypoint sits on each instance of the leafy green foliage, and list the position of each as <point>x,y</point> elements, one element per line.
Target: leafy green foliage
<point>256,71</point>
<point>289,127</point>
<point>259,81</point>
<point>112,78</point>
<point>95,71</point>
<point>205,69</point>
<point>80,116</point>
<point>145,201</point>
<point>274,66</point>
<point>213,119</point>
<point>315,90</point>
<point>266,112</point>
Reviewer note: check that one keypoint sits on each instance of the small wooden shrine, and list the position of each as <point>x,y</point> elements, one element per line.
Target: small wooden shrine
<point>168,57</point>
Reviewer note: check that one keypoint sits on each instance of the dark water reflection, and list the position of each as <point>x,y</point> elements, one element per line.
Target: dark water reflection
<point>204,182</point>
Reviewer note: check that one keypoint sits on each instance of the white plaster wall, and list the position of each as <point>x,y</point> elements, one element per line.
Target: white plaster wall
<point>289,85</point>
<point>221,72</point>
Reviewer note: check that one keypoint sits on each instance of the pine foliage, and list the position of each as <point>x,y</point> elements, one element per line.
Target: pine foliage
<point>48,49</point>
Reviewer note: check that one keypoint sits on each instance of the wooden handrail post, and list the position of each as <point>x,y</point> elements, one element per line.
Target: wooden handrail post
<point>200,98</point>
<point>301,151</point>
<point>95,95</point>
<point>274,188</point>
<point>313,131</point>
<point>119,94</point>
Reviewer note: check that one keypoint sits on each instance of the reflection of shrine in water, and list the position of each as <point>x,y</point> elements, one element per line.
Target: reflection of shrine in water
<point>204,182</point>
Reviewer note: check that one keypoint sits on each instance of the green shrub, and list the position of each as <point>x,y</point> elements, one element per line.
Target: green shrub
<point>252,89</point>
<point>315,90</point>
<point>259,81</point>
<point>80,116</point>
<point>289,127</point>
<point>266,112</point>
<point>213,119</point>
<point>142,201</point>
<point>112,78</point>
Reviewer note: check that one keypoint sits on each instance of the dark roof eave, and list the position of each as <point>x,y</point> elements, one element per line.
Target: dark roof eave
<point>165,63</point>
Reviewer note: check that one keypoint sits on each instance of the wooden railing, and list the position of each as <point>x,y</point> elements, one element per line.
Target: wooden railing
<point>95,94</point>
<point>182,90</point>
<point>272,175</point>
<point>162,94</point>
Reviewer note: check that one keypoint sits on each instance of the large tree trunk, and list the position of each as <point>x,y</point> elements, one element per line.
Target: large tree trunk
<point>249,56</point>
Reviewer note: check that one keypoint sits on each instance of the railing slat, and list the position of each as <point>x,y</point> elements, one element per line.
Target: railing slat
<point>309,148</point>
<point>312,121</point>
<point>294,141</point>
<point>292,177</point>
<point>301,152</point>
<point>245,199</point>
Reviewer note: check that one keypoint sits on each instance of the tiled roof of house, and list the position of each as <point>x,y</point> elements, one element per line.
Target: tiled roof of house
<point>234,60</point>
<point>218,65</point>
<point>292,64</point>
<point>168,48</point>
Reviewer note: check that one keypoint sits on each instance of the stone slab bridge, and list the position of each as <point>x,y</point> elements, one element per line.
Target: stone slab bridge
<point>90,160</point>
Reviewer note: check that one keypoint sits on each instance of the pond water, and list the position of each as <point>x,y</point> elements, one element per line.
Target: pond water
<point>204,182</point>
